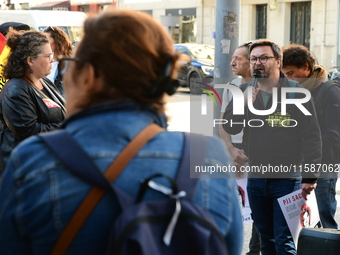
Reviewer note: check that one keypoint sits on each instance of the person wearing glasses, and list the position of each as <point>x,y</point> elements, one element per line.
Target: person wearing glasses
<point>61,46</point>
<point>281,143</point>
<point>112,94</point>
<point>30,103</point>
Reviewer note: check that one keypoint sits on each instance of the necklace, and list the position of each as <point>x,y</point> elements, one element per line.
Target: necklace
<point>30,81</point>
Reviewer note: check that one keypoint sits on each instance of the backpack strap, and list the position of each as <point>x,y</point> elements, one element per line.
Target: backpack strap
<point>80,164</point>
<point>193,155</point>
<point>96,193</point>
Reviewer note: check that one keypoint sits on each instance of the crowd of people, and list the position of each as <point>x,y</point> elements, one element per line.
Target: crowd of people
<point>112,93</point>
<point>313,140</point>
<point>110,88</point>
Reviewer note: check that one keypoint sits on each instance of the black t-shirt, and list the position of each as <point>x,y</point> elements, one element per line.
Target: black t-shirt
<point>45,91</point>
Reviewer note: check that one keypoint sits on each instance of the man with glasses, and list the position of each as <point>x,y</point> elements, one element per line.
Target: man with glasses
<point>240,66</point>
<point>275,141</point>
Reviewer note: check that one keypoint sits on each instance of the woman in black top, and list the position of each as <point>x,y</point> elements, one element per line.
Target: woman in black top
<point>29,103</point>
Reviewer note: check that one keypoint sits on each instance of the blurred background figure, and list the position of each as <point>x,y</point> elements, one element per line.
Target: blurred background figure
<point>8,27</point>
<point>115,84</point>
<point>61,46</point>
<point>6,30</point>
<point>29,104</point>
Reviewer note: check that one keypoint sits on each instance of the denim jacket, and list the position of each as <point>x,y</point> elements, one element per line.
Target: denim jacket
<point>38,196</point>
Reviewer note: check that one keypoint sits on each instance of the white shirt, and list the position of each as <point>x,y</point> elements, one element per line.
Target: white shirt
<point>53,73</point>
<point>226,98</point>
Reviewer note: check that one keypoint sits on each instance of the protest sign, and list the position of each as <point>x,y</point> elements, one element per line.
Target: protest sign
<point>299,212</point>
<point>243,194</point>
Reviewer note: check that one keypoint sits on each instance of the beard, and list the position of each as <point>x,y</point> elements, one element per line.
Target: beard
<point>264,72</point>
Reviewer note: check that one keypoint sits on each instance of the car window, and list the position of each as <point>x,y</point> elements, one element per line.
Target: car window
<point>203,52</point>
<point>182,50</point>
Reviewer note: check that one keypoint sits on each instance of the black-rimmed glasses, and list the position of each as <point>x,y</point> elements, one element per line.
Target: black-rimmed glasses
<point>49,56</point>
<point>63,66</point>
<point>262,59</point>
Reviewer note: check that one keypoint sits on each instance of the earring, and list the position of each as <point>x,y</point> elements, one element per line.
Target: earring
<point>30,71</point>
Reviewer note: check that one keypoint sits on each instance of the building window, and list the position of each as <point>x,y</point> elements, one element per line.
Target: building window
<point>24,6</point>
<point>183,29</point>
<point>84,8</point>
<point>11,7</point>
<point>104,7</point>
<point>261,21</point>
<point>300,23</point>
<point>189,29</point>
<point>182,24</point>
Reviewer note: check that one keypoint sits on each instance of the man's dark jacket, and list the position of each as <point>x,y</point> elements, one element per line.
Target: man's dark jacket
<point>279,145</point>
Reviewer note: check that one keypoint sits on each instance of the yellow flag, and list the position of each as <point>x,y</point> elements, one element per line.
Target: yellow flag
<point>3,60</point>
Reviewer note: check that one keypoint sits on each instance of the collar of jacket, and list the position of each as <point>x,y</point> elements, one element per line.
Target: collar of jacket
<point>124,105</point>
<point>283,81</point>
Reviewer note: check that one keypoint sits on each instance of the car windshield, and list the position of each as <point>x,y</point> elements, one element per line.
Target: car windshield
<point>202,52</point>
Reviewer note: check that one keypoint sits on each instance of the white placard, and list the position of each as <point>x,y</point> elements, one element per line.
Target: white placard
<point>244,201</point>
<point>299,212</point>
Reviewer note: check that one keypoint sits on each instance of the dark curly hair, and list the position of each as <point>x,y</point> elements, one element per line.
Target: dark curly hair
<point>297,55</point>
<point>62,44</point>
<point>28,44</point>
<point>129,50</point>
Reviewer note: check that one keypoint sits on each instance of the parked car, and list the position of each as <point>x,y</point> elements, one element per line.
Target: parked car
<point>200,68</point>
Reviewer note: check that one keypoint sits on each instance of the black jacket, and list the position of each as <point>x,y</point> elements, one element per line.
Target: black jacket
<point>279,145</point>
<point>329,121</point>
<point>58,83</point>
<point>25,111</point>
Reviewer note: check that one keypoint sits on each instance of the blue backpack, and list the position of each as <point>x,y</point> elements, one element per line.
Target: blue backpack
<point>171,226</point>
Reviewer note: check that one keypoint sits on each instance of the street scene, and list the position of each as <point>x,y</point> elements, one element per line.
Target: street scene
<point>178,111</point>
<point>170,127</point>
